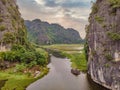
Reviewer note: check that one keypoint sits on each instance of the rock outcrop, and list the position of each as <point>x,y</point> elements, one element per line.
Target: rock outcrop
<point>75,72</point>
<point>41,32</point>
<point>103,42</point>
<point>12,29</point>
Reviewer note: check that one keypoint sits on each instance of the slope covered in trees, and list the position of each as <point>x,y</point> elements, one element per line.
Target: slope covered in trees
<point>44,33</point>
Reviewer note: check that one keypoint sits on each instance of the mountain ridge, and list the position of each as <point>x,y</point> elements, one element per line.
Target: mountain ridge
<point>46,33</point>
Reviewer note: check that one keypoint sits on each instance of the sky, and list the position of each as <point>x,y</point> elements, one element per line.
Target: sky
<point>68,13</point>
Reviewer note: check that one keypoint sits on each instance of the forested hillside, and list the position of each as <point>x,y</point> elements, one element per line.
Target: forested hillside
<point>44,33</point>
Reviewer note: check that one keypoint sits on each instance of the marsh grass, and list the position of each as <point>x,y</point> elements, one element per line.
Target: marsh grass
<point>75,52</point>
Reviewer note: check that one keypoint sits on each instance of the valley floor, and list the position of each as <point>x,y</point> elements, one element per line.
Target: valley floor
<point>12,80</point>
<point>75,52</point>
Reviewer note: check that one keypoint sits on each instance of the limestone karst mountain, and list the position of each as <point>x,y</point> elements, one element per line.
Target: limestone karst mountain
<point>44,33</point>
<point>103,40</point>
<point>12,29</point>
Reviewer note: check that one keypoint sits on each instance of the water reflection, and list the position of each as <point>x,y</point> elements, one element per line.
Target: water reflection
<point>60,78</point>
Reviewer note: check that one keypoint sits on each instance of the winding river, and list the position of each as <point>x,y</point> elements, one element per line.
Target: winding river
<point>60,78</point>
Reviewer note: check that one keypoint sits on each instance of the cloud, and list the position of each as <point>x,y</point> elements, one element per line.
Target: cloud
<point>68,13</point>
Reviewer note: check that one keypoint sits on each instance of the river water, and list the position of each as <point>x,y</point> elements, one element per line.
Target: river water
<point>60,78</point>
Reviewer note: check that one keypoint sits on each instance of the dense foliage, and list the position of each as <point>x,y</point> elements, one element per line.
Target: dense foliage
<point>113,35</point>
<point>19,54</point>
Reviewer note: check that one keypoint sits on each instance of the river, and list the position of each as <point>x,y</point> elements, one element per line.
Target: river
<point>61,78</point>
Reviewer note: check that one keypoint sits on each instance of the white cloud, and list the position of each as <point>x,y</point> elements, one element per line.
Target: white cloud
<point>41,2</point>
<point>68,13</point>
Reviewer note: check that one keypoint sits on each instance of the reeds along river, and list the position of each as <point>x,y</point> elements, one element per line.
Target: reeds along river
<point>60,78</point>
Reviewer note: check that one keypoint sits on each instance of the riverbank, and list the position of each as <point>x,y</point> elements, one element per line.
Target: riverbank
<point>19,75</point>
<point>19,80</point>
<point>60,78</point>
<point>75,52</point>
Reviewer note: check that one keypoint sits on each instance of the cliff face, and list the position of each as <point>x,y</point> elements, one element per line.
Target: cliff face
<point>103,40</point>
<point>44,33</point>
<point>12,29</point>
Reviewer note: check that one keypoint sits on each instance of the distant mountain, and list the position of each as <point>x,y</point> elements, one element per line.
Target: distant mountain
<point>44,33</point>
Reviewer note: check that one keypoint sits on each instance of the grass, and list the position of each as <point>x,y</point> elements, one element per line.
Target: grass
<point>78,61</point>
<point>74,52</point>
<point>66,47</point>
<point>18,81</point>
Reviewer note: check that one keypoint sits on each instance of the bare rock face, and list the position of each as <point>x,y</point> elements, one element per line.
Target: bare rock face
<point>103,41</point>
<point>12,29</point>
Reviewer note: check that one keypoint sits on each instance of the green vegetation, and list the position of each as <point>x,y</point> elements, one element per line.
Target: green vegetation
<point>78,61</point>
<point>1,20</point>
<point>26,63</point>
<point>115,3</point>
<point>94,8</point>
<point>8,37</point>
<point>107,65</point>
<point>108,56</point>
<point>19,59</point>
<point>74,52</point>
<point>3,1</point>
<point>2,28</point>
<point>19,54</point>
<point>113,36</point>
<point>18,80</point>
<point>99,19</point>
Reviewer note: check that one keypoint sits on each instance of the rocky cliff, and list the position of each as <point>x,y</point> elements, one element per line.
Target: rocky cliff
<point>44,33</point>
<point>103,41</point>
<point>12,29</point>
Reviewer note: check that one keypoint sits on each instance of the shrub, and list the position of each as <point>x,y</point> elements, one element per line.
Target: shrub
<point>1,19</point>
<point>33,63</point>
<point>115,3</point>
<point>99,19</point>
<point>108,56</point>
<point>27,57</point>
<point>8,37</point>
<point>3,1</point>
<point>20,67</point>
<point>2,28</point>
<point>41,58</point>
<point>94,8</point>
<point>113,36</point>
<point>19,48</point>
<point>8,56</point>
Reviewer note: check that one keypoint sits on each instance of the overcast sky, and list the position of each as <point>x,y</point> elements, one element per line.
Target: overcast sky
<point>68,13</point>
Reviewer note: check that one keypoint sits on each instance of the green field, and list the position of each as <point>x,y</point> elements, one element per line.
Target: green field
<point>75,52</point>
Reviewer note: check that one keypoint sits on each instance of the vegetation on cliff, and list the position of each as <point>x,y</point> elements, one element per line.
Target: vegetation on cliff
<point>103,41</point>
<point>20,62</point>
